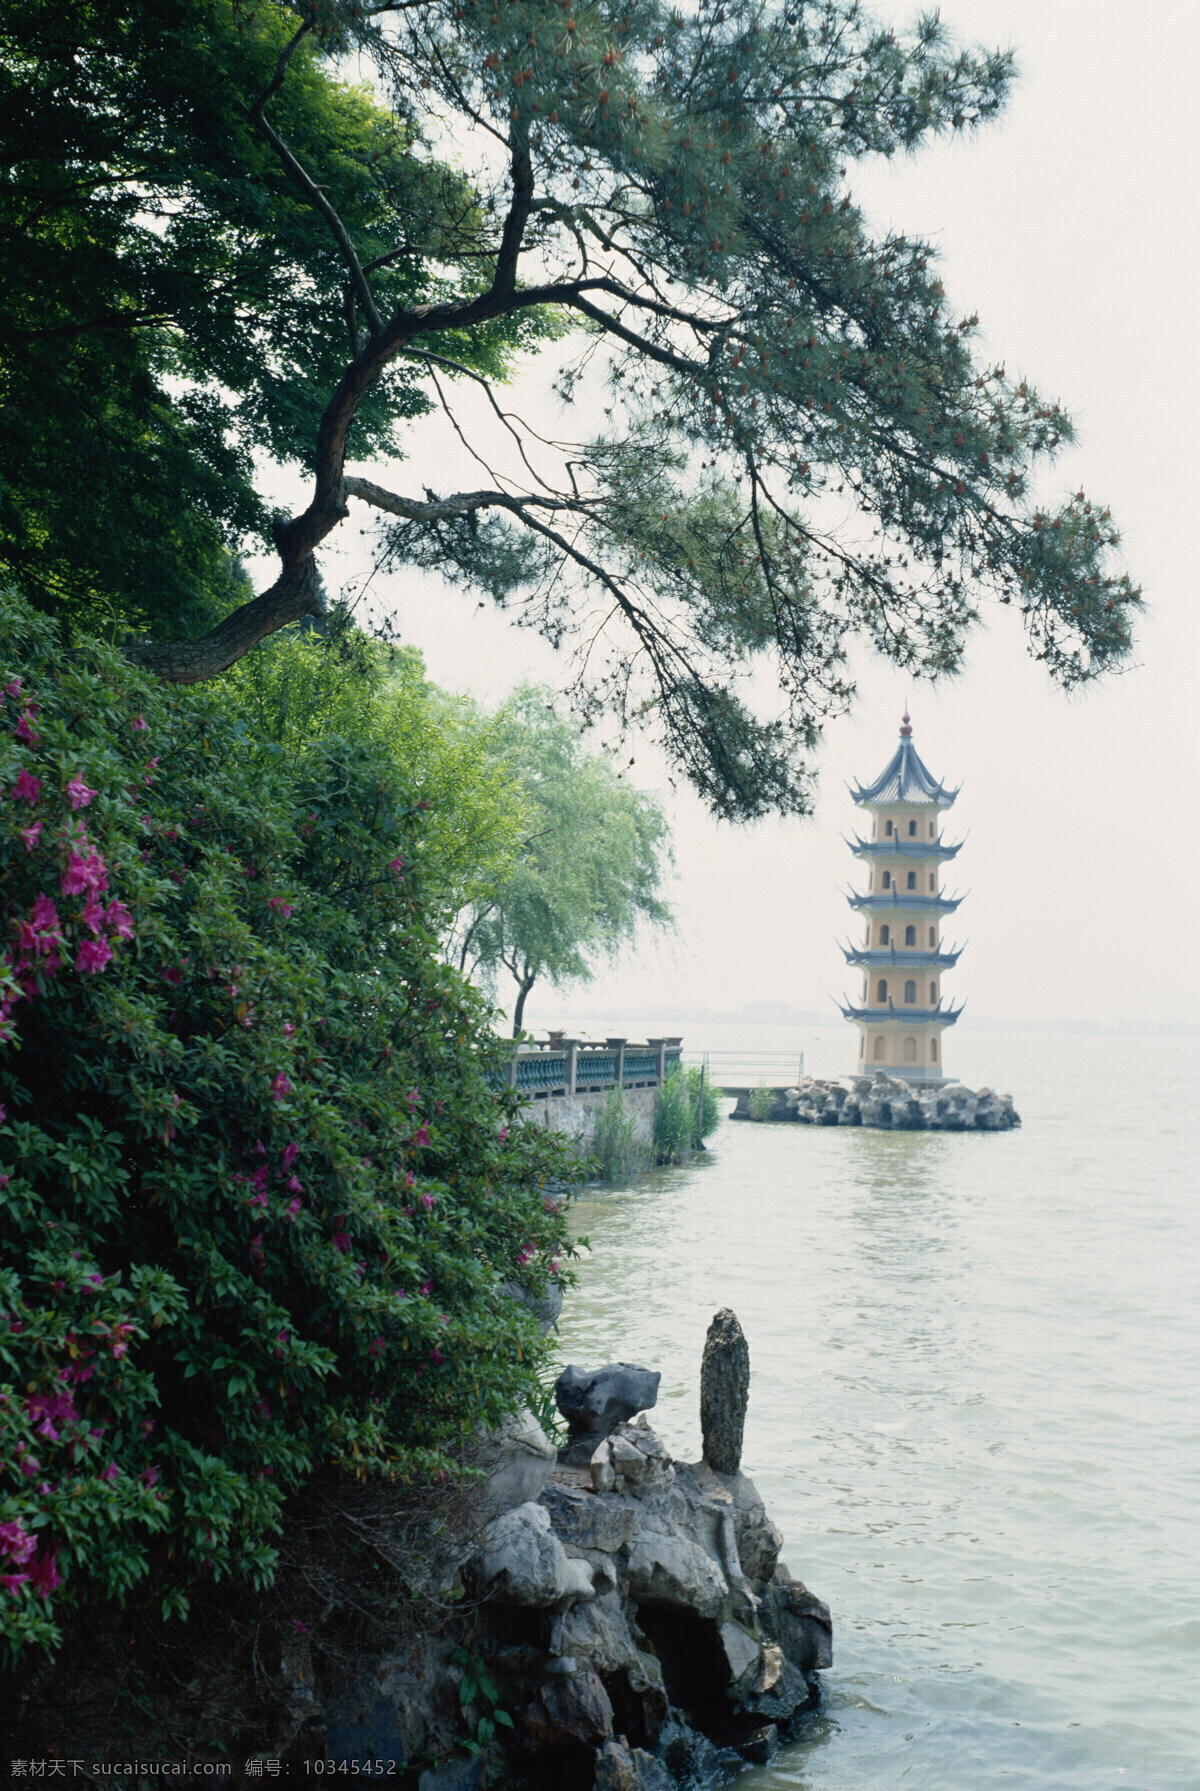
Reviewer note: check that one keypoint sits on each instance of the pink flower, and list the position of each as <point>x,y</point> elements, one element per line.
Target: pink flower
<point>341,1241</point>
<point>30,835</point>
<point>289,1031</point>
<point>281,1337</point>
<point>280,1086</point>
<point>146,1426</point>
<point>420,1136</point>
<point>426,1288</point>
<point>111,1472</point>
<point>174,976</point>
<point>281,907</point>
<point>300,1628</point>
<point>93,916</point>
<point>83,874</point>
<point>45,1577</point>
<point>257,1200</point>
<point>43,916</point>
<point>377,1348</point>
<point>94,954</point>
<point>13,687</point>
<point>290,1152</point>
<point>422,804</point>
<point>436,1356</point>
<point>138,725</point>
<point>413,1096</point>
<point>503,1134</point>
<point>119,920</point>
<point>294,1185</point>
<point>26,729</point>
<point>10,1581</point>
<point>428,1202</point>
<point>17,1544</point>
<point>78,794</point>
<point>149,1476</point>
<point>26,788</point>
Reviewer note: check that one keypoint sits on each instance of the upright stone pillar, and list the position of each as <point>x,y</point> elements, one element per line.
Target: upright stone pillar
<point>571,1047</point>
<point>724,1392</point>
<point>659,1048</point>
<point>617,1047</point>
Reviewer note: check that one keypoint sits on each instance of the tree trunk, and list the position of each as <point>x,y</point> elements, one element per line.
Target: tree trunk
<point>526,983</point>
<point>296,592</point>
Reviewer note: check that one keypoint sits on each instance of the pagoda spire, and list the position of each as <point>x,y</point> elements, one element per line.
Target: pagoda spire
<point>902,1014</point>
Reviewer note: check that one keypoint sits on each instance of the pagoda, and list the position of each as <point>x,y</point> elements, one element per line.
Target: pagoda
<point>902,1015</point>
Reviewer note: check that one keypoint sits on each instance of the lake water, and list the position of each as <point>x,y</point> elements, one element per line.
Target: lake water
<point>974,1407</point>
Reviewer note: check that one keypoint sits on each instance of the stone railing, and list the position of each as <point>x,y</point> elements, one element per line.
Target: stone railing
<point>562,1066</point>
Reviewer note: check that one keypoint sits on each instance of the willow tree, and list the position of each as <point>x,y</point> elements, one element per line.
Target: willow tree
<point>805,444</point>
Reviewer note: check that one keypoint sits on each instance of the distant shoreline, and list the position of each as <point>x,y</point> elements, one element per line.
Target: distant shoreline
<point>772,1014</point>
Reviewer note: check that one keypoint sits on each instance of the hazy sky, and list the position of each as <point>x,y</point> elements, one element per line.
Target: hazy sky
<point>1070,226</point>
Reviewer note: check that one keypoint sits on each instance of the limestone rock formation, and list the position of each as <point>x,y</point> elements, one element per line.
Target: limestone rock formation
<point>890,1103</point>
<point>595,1401</point>
<point>724,1392</point>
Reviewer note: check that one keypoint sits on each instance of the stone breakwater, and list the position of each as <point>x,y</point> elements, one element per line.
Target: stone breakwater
<point>630,1616</point>
<point>889,1103</point>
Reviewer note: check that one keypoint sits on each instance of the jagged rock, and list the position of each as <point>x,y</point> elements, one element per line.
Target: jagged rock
<point>724,1392</point>
<point>632,1460</point>
<point>545,1307</point>
<point>799,1621</point>
<point>455,1775</point>
<point>595,1401</point>
<point>620,1767</point>
<point>587,1521</point>
<point>569,1708</point>
<point>670,1571</point>
<point>522,1562</point>
<point>401,1705</point>
<point>761,1746</point>
<point>758,1540</point>
<point>740,1650</point>
<point>518,1460</point>
<point>598,1632</point>
<point>689,1756</point>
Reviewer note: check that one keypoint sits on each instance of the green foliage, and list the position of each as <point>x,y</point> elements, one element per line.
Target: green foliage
<point>616,1152</point>
<point>591,864</point>
<point>172,306</point>
<point>216,249</point>
<point>478,1689</point>
<point>683,1117</point>
<point>762,1102</point>
<point>303,686</point>
<point>260,1195</point>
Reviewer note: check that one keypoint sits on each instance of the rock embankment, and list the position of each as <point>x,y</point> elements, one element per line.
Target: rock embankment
<point>891,1104</point>
<point>633,1627</point>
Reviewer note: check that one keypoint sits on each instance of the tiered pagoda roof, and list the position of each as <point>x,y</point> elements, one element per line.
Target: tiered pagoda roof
<point>905,778</point>
<point>907,1015</point>
<point>899,957</point>
<point>903,848</point>
<point>889,899</point>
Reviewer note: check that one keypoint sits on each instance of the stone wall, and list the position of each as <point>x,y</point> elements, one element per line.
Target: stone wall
<point>576,1114</point>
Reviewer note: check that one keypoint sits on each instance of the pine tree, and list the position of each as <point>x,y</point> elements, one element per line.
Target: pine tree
<point>803,446</point>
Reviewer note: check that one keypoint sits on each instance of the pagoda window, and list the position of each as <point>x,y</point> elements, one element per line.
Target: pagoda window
<point>912,879</point>
<point>885,934</point>
<point>912,830</point>
<point>932,938</point>
<point>910,991</point>
<point>887,829</point>
<point>880,1048</point>
<point>910,1050</point>
<point>932,882</point>
<point>933,830</point>
<point>933,1050</point>
<point>910,935</point>
<point>933,994</point>
<point>887,879</point>
<point>881,991</point>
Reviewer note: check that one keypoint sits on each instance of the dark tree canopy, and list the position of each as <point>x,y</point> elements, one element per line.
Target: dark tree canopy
<point>804,446</point>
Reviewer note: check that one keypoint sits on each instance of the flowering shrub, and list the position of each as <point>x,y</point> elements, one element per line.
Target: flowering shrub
<point>257,1193</point>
